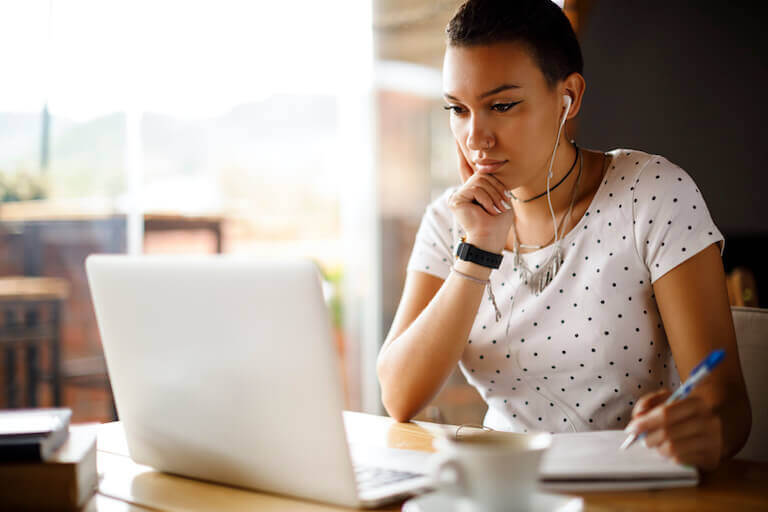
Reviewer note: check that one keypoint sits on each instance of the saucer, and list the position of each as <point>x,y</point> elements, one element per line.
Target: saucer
<point>439,501</point>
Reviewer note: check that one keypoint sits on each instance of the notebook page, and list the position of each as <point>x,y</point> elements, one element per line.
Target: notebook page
<point>596,455</point>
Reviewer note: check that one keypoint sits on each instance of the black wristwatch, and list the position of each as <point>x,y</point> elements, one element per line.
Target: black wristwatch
<point>469,252</point>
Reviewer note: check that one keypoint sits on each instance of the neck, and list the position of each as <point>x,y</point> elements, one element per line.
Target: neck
<point>537,212</point>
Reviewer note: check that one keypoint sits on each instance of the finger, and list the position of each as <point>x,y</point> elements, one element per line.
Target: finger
<point>649,401</point>
<point>465,170</point>
<point>500,186</point>
<point>675,432</point>
<point>498,197</point>
<point>664,415</point>
<point>667,414</point>
<point>485,201</point>
<point>480,193</point>
<point>679,449</point>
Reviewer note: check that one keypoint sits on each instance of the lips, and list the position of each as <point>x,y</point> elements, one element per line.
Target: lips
<point>488,166</point>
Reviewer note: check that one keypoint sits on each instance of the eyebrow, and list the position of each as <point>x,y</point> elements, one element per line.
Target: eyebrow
<point>497,90</point>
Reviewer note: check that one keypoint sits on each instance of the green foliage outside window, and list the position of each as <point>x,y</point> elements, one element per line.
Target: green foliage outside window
<point>22,186</point>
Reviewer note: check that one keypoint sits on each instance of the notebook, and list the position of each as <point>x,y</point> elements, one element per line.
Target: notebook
<point>32,434</point>
<point>592,461</point>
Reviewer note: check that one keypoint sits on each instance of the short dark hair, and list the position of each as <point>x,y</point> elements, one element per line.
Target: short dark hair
<point>540,25</point>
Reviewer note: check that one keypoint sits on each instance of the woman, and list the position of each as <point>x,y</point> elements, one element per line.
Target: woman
<point>610,286</point>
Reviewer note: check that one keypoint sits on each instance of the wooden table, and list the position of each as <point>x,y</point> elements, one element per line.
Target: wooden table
<point>126,486</point>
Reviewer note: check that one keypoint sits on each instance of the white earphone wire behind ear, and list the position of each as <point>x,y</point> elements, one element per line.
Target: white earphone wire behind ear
<point>568,100</point>
<point>550,266</point>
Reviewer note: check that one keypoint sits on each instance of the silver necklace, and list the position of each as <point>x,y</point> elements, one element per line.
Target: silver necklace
<point>551,266</point>
<point>538,279</point>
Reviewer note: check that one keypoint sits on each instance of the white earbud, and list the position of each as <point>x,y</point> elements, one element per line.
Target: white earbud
<point>567,99</point>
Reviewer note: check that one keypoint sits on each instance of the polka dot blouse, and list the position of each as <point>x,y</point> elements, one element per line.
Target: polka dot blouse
<point>581,353</point>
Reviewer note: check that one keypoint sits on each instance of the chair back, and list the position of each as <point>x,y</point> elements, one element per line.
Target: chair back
<point>752,339</point>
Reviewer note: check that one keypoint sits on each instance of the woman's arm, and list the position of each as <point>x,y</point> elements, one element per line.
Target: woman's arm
<point>427,337</point>
<point>434,318</point>
<point>714,422</point>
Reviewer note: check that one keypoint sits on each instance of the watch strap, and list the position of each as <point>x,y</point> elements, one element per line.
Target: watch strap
<point>469,252</point>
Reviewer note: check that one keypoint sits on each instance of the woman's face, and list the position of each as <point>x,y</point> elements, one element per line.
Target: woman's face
<point>499,100</point>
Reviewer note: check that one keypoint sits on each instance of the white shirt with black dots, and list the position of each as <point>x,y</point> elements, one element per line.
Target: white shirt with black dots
<point>582,352</point>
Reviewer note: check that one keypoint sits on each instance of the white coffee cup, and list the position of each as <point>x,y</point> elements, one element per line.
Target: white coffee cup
<point>493,471</point>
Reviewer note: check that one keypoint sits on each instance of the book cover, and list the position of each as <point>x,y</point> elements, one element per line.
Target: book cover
<point>64,482</point>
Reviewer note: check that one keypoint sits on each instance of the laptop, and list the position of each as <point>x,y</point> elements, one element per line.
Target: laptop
<point>224,369</point>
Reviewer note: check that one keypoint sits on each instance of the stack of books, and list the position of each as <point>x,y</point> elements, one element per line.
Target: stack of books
<point>44,463</point>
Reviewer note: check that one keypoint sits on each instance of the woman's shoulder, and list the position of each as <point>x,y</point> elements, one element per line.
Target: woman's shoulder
<point>637,174</point>
<point>634,163</point>
<point>649,173</point>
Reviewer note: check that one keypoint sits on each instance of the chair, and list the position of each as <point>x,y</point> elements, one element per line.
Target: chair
<point>752,338</point>
<point>742,287</point>
<point>31,309</point>
<point>89,373</point>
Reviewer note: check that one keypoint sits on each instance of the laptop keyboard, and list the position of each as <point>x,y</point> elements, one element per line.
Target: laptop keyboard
<point>371,477</point>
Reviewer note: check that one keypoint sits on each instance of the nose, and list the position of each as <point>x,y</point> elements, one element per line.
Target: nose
<point>479,136</point>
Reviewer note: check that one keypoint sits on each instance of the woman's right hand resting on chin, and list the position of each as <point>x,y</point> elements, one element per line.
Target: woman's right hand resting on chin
<point>435,316</point>
<point>481,206</point>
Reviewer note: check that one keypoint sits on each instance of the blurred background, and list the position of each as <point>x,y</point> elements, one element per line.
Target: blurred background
<point>316,129</point>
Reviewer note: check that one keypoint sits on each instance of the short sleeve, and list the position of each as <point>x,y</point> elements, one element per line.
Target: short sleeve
<point>434,244</point>
<point>671,219</point>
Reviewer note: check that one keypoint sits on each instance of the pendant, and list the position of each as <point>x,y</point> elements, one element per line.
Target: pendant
<point>546,272</point>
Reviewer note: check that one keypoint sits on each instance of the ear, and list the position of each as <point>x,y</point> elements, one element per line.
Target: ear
<point>574,86</point>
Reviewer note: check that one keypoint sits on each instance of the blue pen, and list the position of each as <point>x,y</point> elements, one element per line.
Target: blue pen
<point>703,369</point>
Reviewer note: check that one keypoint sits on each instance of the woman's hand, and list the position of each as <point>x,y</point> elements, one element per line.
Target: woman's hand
<point>686,430</point>
<point>482,207</point>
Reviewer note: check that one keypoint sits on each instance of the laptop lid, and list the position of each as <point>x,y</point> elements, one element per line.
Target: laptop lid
<point>224,369</point>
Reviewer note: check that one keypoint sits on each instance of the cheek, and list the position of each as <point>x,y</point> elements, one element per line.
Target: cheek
<point>522,125</point>
<point>515,140</point>
<point>456,128</point>
<point>524,133</point>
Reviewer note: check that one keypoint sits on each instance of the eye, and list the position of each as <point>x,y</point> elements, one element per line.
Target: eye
<point>503,107</point>
<point>499,107</point>
<point>453,108</point>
